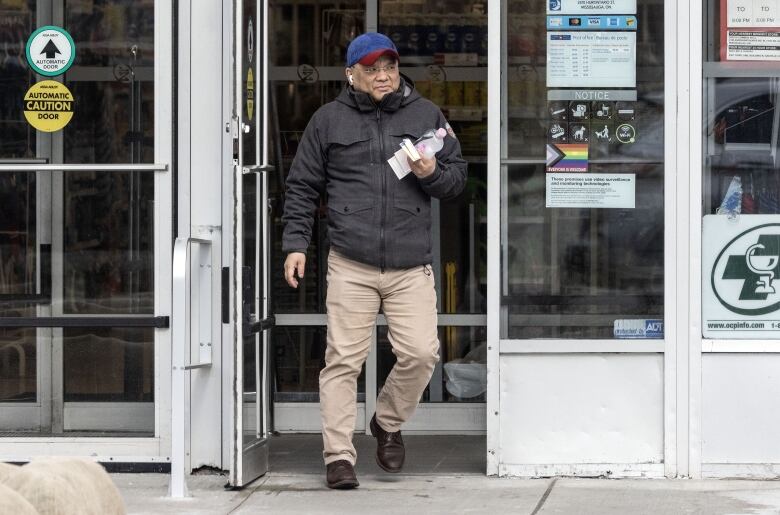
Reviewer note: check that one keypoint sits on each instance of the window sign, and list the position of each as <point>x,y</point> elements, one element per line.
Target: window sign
<point>612,190</point>
<point>741,276</point>
<point>591,59</point>
<point>750,30</point>
<point>591,23</point>
<point>591,7</point>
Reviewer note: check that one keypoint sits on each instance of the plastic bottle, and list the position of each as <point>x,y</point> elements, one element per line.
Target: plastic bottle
<point>430,143</point>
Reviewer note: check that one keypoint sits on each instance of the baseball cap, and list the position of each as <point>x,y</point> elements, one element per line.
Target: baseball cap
<point>367,48</point>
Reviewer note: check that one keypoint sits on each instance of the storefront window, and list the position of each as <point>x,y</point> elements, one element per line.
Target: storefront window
<point>443,49</point>
<point>462,374</point>
<point>582,212</point>
<point>741,187</point>
<point>299,355</point>
<point>78,242</point>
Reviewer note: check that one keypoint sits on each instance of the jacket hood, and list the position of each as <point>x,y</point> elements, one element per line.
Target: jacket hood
<point>404,95</point>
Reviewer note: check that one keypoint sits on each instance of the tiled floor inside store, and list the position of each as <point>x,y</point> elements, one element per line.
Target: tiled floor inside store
<point>425,454</point>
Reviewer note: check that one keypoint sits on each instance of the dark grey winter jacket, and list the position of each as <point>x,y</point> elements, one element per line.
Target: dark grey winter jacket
<point>373,217</point>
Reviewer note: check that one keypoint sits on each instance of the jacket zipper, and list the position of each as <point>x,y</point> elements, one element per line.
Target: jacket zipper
<point>384,194</point>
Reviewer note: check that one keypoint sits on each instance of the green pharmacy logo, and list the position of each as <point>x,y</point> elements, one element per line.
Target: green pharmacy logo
<point>744,277</point>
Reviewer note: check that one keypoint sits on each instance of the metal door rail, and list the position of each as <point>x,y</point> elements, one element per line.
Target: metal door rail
<point>15,168</point>
<point>183,283</point>
<point>159,322</point>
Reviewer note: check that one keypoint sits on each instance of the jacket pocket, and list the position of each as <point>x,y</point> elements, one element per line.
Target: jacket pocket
<point>413,206</point>
<point>412,226</point>
<point>351,226</point>
<point>350,147</point>
<point>398,136</point>
<point>350,207</point>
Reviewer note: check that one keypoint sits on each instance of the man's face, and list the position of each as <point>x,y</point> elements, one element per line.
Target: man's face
<point>377,80</point>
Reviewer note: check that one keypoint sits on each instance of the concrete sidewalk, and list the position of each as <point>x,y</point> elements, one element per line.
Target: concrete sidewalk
<point>280,493</point>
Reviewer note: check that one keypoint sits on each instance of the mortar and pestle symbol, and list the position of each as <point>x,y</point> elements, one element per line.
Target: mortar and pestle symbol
<point>762,266</point>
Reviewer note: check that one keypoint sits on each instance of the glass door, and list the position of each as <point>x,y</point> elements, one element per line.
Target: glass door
<point>77,231</point>
<point>249,284</point>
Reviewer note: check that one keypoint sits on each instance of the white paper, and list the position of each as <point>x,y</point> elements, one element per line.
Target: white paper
<point>753,46</point>
<point>740,283</point>
<point>614,190</point>
<point>591,6</point>
<point>753,13</point>
<point>591,59</point>
<point>400,164</point>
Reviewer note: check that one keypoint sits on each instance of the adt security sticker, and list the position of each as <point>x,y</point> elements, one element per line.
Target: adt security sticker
<point>50,51</point>
<point>641,328</point>
<point>48,106</point>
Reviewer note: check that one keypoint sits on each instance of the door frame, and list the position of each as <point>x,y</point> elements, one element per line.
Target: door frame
<point>679,134</point>
<point>247,460</point>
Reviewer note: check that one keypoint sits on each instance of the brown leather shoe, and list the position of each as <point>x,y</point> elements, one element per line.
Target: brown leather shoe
<point>341,475</point>
<point>390,452</point>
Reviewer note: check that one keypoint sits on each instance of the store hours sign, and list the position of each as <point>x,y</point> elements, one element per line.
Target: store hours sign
<point>741,277</point>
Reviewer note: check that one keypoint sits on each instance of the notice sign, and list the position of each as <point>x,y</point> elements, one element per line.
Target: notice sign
<point>591,59</point>
<point>48,106</point>
<point>752,13</point>
<point>750,30</point>
<point>591,7</point>
<point>50,51</point>
<point>614,190</point>
<point>753,45</point>
<point>740,272</point>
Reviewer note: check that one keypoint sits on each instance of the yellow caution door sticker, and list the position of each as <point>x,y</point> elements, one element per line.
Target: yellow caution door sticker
<point>48,106</point>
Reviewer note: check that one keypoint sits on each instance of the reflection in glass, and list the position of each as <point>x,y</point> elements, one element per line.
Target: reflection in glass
<point>17,138</point>
<point>316,33</point>
<point>572,272</point>
<point>299,356</point>
<point>18,265</point>
<point>18,361</point>
<point>108,242</point>
<point>109,365</point>
<point>461,374</point>
<point>112,81</point>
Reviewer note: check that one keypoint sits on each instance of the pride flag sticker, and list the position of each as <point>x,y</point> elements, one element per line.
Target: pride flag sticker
<point>567,157</point>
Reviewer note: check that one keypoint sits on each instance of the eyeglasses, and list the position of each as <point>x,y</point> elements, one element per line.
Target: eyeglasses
<point>373,71</point>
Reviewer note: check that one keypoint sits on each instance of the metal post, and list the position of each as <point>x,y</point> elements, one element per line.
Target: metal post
<point>178,484</point>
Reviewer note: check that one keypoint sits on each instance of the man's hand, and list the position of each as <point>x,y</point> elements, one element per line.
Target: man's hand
<point>423,167</point>
<point>296,261</point>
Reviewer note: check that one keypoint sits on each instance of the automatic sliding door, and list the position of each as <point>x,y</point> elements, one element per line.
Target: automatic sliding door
<point>77,251</point>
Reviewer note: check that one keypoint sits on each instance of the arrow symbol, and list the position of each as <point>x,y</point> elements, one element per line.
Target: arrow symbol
<point>50,50</point>
<point>554,155</point>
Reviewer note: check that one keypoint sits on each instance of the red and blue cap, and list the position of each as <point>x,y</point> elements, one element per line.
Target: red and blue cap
<point>367,48</point>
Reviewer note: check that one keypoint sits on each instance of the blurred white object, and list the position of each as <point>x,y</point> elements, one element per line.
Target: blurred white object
<point>467,377</point>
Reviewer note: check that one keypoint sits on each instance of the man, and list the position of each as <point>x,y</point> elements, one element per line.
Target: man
<point>380,254</point>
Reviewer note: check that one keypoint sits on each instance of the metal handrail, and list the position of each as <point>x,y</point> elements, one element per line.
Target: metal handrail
<point>28,167</point>
<point>180,354</point>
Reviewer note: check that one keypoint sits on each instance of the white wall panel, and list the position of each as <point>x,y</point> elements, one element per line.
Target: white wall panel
<point>581,408</point>
<point>201,133</point>
<point>740,415</point>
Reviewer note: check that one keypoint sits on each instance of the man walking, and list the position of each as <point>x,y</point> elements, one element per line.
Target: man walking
<point>380,244</point>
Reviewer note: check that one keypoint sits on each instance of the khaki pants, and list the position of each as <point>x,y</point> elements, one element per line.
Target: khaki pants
<point>356,292</point>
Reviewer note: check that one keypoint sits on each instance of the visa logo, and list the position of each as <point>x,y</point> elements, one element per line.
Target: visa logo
<point>594,22</point>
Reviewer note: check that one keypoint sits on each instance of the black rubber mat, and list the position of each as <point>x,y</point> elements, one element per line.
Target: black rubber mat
<point>429,454</point>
